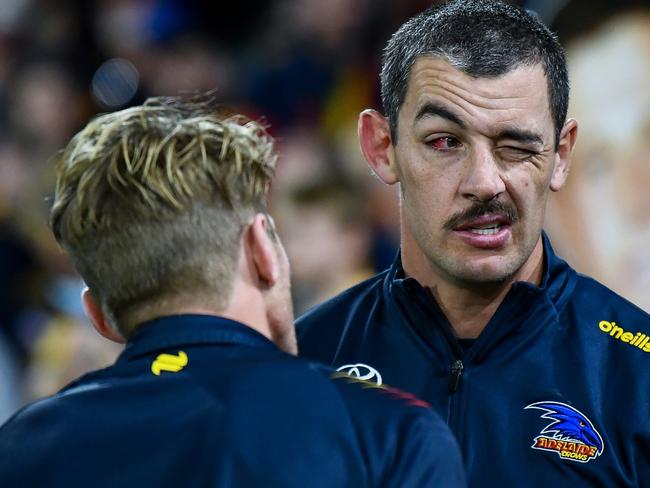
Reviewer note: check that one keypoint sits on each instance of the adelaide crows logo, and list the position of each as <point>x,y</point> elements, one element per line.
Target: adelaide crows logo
<point>570,434</point>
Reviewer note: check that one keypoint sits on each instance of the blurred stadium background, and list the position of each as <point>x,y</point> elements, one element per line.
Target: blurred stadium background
<point>308,67</point>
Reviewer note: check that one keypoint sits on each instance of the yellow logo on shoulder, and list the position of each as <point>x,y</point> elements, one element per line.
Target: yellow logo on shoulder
<point>640,340</point>
<point>172,363</point>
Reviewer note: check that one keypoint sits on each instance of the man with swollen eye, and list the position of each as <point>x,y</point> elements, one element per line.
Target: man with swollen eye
<point>542,373</point>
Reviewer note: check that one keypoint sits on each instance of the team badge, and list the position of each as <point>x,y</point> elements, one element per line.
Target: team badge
<point>570,434</point>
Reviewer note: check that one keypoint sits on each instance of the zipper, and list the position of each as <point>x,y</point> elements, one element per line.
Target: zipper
<point>455,375</point>
<point>454,412</point>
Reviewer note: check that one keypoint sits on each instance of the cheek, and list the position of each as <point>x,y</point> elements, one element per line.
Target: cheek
<point>425,192</point>
<point>426,181</point>
<point>528,192</point>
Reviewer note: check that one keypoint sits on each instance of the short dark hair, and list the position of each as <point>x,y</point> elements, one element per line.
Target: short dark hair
<point>483,38</point>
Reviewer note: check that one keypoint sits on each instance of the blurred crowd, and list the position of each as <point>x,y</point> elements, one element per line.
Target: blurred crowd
<point>307,67</point>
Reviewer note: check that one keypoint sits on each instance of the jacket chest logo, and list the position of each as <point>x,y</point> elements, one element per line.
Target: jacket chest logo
<point>569,434</point>
<point>361,371</point>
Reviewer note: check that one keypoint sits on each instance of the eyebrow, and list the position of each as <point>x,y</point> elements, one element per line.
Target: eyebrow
<point>436,110</point>
<point>520,135</point>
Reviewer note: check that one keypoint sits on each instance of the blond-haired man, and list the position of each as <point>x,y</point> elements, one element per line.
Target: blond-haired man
<point>163,210</point>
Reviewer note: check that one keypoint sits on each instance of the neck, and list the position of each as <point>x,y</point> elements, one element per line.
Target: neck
<point>468,306</point>
<point>247,306</point>
<point>244,306</point>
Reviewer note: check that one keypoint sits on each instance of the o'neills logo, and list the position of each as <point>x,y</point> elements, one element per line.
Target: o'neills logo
<point>570,434</point>
<point>640,340</point>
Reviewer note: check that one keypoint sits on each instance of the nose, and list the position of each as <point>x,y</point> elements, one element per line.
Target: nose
<point>483,180</point>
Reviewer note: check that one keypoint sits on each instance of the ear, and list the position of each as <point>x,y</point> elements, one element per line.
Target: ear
<point>568,138</point>
<point>262,250</point>
<point>97,318</point>
<point>376,145</point>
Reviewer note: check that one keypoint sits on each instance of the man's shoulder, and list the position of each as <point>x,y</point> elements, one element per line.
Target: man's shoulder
<point>385,400</point>
<point>368,402</point>
<point>591,293</point>
<point>397,439</point>
<point>406,441</point>
<point>617,331</point>
<point>58,403</point>
<point>382,406</point>
<point>43,431</point>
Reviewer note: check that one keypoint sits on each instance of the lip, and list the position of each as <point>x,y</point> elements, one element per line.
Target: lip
<point>482,241</point>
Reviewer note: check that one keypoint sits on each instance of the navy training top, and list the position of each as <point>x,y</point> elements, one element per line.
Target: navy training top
<point>554,392</point>
<point>204,401</point>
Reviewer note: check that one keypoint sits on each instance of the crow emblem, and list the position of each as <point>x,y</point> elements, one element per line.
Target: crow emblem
<point>570,434</point>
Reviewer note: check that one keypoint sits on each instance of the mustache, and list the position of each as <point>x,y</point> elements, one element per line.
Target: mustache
<point>494,207</point>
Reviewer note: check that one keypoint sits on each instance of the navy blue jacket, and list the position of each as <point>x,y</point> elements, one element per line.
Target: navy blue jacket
<point>554,392</point>
<point>205,401</point>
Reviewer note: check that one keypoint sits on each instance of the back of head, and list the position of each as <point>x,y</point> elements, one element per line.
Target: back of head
<point>483,38</point>
<point>150,203</point>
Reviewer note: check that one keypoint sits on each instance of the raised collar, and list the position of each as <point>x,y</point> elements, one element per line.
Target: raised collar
<point>555,278</point>
<point>184,330</point>
<point>410,299</point>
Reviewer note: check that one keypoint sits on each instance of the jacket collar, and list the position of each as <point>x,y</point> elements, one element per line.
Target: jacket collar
<point>177,330</point>
<point>414,302</point>
<point>555,278</point>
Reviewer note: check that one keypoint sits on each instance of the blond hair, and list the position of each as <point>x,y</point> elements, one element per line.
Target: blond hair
<point>150,202</point>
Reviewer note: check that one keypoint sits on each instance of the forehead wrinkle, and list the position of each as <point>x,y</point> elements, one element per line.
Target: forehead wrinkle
<point>432,69</point>
<point>455,90</point>
<point>462,91</point>
<point>466,112</point>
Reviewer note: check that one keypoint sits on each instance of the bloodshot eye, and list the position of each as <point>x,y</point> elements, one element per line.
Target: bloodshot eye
<point>444,143</point>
